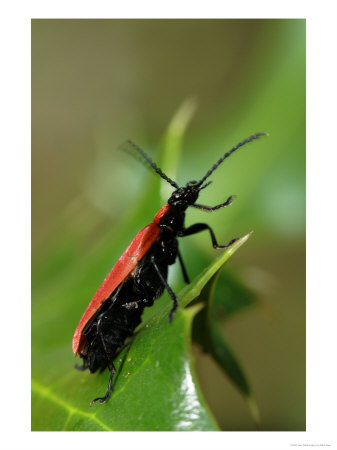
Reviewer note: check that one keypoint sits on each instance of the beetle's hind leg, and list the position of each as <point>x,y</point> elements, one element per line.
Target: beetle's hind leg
<point>111,366</point>
<point>109,390</point>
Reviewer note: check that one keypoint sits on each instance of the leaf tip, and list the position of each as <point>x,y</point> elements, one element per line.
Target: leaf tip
<point>238,242</point>
<point>248,235</point>
<point>254,410</point>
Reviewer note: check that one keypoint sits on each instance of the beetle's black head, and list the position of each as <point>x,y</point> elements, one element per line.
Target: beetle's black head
<point>186,196</point>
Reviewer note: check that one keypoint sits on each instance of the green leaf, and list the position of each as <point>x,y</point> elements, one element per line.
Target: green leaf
<point>155,387</point>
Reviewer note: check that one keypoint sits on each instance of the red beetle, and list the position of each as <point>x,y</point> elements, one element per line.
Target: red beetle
<point>140,275</point>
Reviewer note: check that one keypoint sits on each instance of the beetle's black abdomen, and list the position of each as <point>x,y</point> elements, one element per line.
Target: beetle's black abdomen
<point>112,327</point>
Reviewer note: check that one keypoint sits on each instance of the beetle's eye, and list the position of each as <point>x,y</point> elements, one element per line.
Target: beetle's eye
<point>191,183</point>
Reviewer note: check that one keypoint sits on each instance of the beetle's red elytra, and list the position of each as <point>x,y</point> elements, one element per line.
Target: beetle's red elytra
<point>123,267</point>
<point>140,275</point>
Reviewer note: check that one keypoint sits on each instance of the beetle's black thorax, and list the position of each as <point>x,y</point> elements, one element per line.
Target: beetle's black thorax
<point>172,222</point>
<point>179,201</point>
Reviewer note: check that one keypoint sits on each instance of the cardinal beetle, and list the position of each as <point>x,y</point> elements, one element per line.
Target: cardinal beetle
<point>139,276</point>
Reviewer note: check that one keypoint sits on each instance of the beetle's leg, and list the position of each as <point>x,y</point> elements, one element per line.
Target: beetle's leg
<point>197,227</point>
<point>167,286</point>
<point>111,366</point>
<point>109,390</point>
<point>183,269</point>
<point>214,208</point>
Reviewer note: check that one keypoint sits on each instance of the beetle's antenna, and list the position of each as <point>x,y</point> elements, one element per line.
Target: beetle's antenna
<point>149,161</point>
<point>205,185</point>
<point>240,144</point>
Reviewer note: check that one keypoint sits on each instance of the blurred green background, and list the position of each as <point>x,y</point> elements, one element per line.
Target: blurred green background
<point>96,83</point>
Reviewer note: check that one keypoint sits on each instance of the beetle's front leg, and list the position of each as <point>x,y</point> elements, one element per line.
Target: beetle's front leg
<point>228,202</point>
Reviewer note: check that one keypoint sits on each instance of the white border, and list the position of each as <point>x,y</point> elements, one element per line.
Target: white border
<point>321,222</point>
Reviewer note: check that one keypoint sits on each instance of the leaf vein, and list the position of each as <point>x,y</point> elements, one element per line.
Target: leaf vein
<point>48,394</point>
